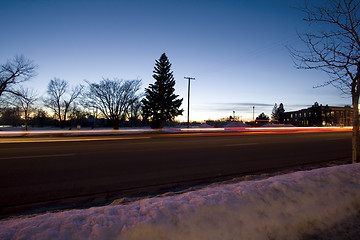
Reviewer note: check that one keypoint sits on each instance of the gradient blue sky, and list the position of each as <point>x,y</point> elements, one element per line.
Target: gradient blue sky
<point>234,49</point>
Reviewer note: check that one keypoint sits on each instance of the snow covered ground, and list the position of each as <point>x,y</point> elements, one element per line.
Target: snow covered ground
<point>289,206</point>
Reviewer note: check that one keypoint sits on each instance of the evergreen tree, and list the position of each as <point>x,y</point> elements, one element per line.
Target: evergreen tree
<point>160,103</point>
<point>278,113</point>
<point>281,113</point>
<point>262,116</point>
<point>275,113</point>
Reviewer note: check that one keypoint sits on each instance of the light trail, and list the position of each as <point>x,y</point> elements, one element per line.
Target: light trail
<point>300,128</point>
<point>90,132</point>
<point>125,134</point>
<point>65,139</point>
<point>202,129</point>
<point>268,130</point>
<point>240,144</point>
<point>38,156</point>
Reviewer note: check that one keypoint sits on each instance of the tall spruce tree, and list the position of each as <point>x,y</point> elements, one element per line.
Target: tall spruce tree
<point>278,113</point>
<point>160,103</point>
<point>275,113</point>
<point>281,113</point>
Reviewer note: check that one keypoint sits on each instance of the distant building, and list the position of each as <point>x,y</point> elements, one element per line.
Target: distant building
<point>319,115</point>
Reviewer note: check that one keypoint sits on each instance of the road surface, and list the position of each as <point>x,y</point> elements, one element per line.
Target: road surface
<point>40,171</point>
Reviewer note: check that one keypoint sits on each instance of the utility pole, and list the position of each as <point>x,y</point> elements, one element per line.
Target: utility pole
<point>188,119</point>
<point>254,113</point>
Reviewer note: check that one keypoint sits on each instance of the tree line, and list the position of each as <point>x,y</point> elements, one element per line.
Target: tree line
<point>116,100</point>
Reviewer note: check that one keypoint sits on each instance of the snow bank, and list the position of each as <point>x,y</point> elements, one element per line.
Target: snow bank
<point>281,207</point>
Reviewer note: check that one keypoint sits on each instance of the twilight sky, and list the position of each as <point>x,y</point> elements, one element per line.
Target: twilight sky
<point>234,49</point>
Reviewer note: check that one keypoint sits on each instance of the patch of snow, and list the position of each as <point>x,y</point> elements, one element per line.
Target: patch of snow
<point>277,125</point>
<point>205,125</point>
<point>236,124</point>
<point>288,206</point>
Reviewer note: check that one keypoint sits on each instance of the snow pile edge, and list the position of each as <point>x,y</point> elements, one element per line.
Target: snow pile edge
<point>282,207</point>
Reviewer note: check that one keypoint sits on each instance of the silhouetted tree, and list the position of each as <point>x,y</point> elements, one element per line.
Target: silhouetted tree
<point>333,46</point>
<point>135,113</point>
<point>78,117</point>
<point>161,104</point>
<point>11,116</point>
<point>17,70</point>
<point>281,113</point>
<point>23,100</point>
<point>59,99</point>
<point>92,111</point>
<point>41,119</point>
<point>262,116</point>
<point>278,113</point>
<point>274,113</point>
<point>113,98</point>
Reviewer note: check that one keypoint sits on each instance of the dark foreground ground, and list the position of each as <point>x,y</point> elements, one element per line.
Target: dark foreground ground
<point>84,171</point>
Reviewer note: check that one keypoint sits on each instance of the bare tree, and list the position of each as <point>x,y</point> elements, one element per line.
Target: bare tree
<point>24,99</point>
<point>59,99</point>
<point>135,110</point>
<point>92,111</point>
<point>17,70</point>
<point>113,98</point>
<point>333,46</point>
<point>135,113</point>
<point>10,116</point>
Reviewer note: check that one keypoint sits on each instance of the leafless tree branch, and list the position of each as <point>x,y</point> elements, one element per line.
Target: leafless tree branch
<point>332,45</point>
<point>15,71</point>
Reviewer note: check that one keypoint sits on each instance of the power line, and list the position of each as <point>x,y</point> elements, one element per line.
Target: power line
<point>271,47</point>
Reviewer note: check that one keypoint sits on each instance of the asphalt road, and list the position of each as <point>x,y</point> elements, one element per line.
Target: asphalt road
<point>48,170</point>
